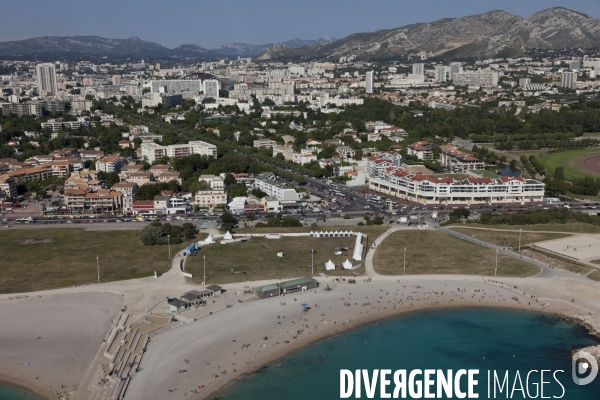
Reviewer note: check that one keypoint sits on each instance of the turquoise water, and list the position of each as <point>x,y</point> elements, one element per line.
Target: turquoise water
<point>11,392</point>
<point>481,339</point>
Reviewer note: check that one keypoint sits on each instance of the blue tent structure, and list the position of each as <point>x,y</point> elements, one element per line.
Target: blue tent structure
<point>190,250</point>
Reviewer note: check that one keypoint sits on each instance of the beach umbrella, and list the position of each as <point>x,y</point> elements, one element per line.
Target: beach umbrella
<point>304,305</point>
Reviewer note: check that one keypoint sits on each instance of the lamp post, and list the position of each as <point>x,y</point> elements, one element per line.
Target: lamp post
<point>145,302</point>
<point>169,241</point>
<point>312,261</point>
<point>204,258</point>
<point>520,239</point>
<point>405,260</point>
<point>98,265</point>
<point>496,269</point>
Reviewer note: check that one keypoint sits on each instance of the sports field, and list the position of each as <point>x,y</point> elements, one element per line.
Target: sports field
<point>577,163</point>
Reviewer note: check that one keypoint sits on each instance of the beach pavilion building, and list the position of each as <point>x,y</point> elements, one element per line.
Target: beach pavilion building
<point>294,285</point>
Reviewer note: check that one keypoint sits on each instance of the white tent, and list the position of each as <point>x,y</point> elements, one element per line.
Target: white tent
<point>329,265</point>
<point>228,236</point>
<point>210,240</point>
<point>347,264</point>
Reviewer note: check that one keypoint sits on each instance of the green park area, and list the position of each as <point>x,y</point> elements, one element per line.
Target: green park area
<point>569,227</point>
<point>570,160</point>
<point>432,252</point>
<point>257,258</point>
<point>41,259</point>
<point>508,237</point>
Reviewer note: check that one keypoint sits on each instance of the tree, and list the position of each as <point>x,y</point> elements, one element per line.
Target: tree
<point>258,193</point>
<point>110,178</point>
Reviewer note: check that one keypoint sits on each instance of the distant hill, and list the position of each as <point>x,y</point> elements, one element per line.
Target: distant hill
<point>251,50</point>
<point>482,36</point>
<point>87,46</point>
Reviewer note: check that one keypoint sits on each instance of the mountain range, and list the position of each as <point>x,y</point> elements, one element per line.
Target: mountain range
<point>476,37</point>
<point>95,46</point>
<point>251,50</point>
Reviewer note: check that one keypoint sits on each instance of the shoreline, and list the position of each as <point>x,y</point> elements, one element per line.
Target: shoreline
<point>9,381</point>
<point>399,313</point>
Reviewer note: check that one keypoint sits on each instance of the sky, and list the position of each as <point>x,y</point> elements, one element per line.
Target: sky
<point>217,22</point>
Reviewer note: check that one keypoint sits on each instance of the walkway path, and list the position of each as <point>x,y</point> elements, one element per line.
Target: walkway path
<point>546,270</point>
<point>511,230</point>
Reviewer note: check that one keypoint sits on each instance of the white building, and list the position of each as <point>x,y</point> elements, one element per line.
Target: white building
<point>153,151</point>
<point>369,81</point>
<point>455,68</point>
<point>211,88</point>
<point>476,78</point>
<point>267,183</point>
<point>446,190</point>
<point>210,199</point>
<point>304,158</point>
<point>203,148</point>
<point>418,69</point>
<point>110,164</point>
<point>568,79</point>
<point>46,79</point>
<point>215,182</point>
<point>440,73</point>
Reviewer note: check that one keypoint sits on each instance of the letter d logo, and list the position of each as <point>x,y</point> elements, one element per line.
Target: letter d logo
<point>582,368</point>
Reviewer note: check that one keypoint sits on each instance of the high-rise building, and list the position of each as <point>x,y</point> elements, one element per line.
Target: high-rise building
<point>418,69</point>
<point>369,84</point>
<point>575,66</point>
<point>440,73</point>
<point>211,88</point>
<point>455,68</point>
<point>568,79</point>
<point>116,79</point>
<point>523,82</point>
<point>46,79</point>
<point>477,78</point>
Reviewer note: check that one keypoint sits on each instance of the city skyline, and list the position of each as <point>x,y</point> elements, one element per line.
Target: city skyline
<point>187,23</point>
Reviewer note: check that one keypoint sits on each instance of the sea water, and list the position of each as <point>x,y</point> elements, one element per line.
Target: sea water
<point>12,392</point>
<point>484,339</point>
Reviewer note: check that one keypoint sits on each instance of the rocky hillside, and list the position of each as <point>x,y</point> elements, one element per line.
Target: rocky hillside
<point>87,46</point>
<point>479,36</point>
<point>251,50</point>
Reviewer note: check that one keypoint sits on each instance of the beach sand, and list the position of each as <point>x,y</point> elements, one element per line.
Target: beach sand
<point>214,344</point>
<point>70,328</point>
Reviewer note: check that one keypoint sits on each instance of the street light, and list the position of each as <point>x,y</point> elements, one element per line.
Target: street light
<point>495,270</point>
<point>145,302</point>
<point>204,258</point>
<point>169,241</point>
<point>520,239</point>
<point>312,260</point>
<point>405,260</point>
<point>98,265</point>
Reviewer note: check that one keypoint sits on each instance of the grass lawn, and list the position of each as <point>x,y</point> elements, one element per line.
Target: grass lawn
<point>256,259</point>
<point>432,252</point>
<point>485,174</point>
<point>570,161</point>
<point>571,227</point>
<point>504,238</point>
<point>40,259</point>
<point>595,276</point>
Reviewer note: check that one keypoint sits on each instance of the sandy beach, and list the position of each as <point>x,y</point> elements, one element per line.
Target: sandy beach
<point>224,347</point>
<point>220,344</point>
<point>48,342</point>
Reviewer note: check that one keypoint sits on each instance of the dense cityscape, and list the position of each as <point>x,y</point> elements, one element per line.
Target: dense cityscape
<point>154,201</point>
